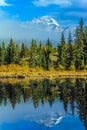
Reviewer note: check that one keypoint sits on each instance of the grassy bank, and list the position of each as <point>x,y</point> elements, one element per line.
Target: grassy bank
<point>17,71</point>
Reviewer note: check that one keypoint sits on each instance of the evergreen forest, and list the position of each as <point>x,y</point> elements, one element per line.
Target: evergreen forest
<point>70,55</point>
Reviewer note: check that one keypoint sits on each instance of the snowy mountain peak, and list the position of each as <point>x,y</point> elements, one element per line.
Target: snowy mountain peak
<point>44,27</point>
<point>49,20</point>
<point>46,20</point>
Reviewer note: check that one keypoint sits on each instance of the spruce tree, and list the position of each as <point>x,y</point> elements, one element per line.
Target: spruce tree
<point>24,51</point>
<point>17,53</point>
<point>85,47</point>
<point>59,55</point>
<point>2,53</point>
<point>33,54</point>
<point>69,50</point>
<point>79,63</point>
<point>62,52</point>
<point>11,52</point>
<point>41,56</point>
<point>47,54</point>
<point>49,43</point>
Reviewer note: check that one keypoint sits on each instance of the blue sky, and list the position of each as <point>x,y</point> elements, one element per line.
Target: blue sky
<point>66,12</point>
<point>16,14</point>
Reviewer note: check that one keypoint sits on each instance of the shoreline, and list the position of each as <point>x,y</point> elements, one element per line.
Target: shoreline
<point>22,72</point>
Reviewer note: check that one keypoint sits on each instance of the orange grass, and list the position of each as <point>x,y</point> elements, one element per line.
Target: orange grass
<point>17,71</point>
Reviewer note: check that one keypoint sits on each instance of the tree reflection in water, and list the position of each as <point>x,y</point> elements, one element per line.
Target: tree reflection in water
<point>69,91</point>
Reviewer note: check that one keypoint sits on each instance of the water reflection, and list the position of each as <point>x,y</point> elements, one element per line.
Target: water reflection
<point>71,92</point>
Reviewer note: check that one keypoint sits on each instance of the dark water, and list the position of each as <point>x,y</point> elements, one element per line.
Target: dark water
<point>44,105</point>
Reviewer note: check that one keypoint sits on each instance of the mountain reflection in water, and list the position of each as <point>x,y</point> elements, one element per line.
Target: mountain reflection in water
<point>46,119</point>
<point>69,93</point>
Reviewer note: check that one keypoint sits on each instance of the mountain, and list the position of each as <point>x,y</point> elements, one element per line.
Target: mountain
<point>46,21</point>
<point>38,28</point>
<point>46,27</point>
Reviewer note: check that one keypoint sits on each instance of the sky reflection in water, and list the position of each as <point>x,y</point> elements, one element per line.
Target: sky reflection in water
<point>45,116</point>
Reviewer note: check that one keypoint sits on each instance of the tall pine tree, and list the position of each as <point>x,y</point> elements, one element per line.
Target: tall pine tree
<point>11,53</point>
<point>47,54</point>
<point>2,53</point>
<point>79,63</point>
<point>24,51</point>
<point>33,54</point>
<point>62,52</point>
<point>69,50</point>
<point>85,46</point>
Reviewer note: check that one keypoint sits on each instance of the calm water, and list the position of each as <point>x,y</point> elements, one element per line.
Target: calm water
<point>44,105</point>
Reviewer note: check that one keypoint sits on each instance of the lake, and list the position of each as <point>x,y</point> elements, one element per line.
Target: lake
<point>59,104</point>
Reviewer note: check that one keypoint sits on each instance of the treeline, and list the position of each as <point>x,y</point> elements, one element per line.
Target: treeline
<point>71,55</point>
<point>36,55</point>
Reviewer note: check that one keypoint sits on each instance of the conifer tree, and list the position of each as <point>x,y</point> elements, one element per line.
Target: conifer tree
<point>69,58</point>
<point>49,43</point>
<point>85,46</point>
<point>10,52</point>
<point>79,63</point>
<point>24,51</point>
<point>47,54</point>
<point>62,52</point>
<point>59,55</point>
<point>41,56</point>
<point>17,53</point>
<point>33,54</point>
<point>2,53</point>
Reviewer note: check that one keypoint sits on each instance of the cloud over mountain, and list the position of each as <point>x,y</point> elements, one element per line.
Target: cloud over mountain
<point>3,3</point>
<point>38,28</point>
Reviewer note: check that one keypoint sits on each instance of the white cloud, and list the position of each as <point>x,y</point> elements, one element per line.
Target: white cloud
<point>76,3</point>
<point>45,3</point>
<point>3,3</point>
<point>25,31</point>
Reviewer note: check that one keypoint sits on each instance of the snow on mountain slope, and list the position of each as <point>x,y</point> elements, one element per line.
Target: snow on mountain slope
<point>44,27</point>
<point>46,20</point>
<point>38,28</point>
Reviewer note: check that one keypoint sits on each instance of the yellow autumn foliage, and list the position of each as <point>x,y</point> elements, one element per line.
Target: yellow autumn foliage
<point>18,71</point>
